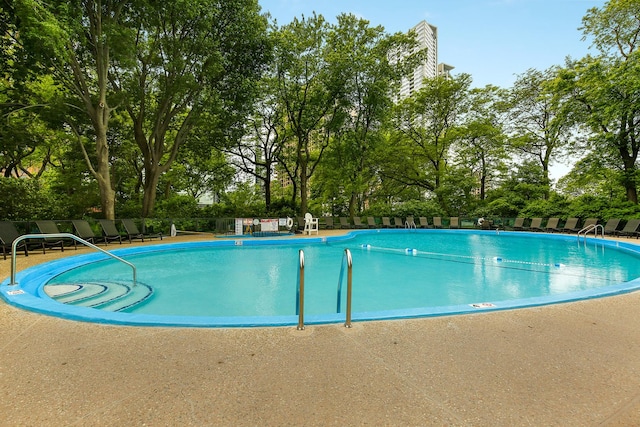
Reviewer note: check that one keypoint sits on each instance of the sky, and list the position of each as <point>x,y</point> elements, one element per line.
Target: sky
<point>492,40</point>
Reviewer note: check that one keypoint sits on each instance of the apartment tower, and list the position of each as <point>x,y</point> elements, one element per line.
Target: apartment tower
<point>426,37</point>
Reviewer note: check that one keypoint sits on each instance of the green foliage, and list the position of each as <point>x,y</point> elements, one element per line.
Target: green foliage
<point>417,208</point>
<point>244,201</point>
<point>504,207</point>
<point>26,199</point>
<point>587,206</point>
<point>181,81</point>
<point>178,206</point>
<point>555,206</point>
<point>425,128</point>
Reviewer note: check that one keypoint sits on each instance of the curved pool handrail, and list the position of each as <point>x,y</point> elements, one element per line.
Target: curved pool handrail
<point>592,227</point>
<point>300,291</point>
<point>348,262</point>
<point>14,247</point>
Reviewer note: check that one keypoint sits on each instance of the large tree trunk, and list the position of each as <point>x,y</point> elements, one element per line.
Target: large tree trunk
<point>629,180</point>
<point>353,200</point>
<point>107,194</point>
<point>629,156</point>
<point>152,176</point>
<point>303,188</point>
<point>102,172</point>
<point>267,188</point>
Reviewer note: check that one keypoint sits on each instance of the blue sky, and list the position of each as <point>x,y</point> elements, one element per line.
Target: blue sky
<point>493,40</point>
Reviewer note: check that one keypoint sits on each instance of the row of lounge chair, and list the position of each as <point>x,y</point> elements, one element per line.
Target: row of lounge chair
<point>571,225</point>
<point>387,222</point>
<point>81,228</point>
<point>551,225</point>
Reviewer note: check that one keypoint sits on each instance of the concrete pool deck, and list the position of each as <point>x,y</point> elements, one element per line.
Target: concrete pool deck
<point>566,364</point>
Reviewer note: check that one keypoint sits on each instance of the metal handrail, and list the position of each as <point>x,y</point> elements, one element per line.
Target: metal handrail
<point>14,247</point>
<point>591,227</point>
<point>346,259</point>
<point>300,292</point>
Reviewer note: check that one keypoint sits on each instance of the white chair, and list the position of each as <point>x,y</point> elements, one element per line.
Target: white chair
<point>310,224</point>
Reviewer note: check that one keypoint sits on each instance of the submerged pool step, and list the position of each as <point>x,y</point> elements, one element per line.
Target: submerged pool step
<point>135,296</point>
<point>76,292</point>
<point>107,296</point>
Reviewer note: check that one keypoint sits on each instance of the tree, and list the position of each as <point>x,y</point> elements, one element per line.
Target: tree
<point>78,41</point>
<point>539,125</point>
<point>606,88</point>
<point>425,129</point>
<point>481,140</point>
<point>592,175</point>
<point>195,60</point>
<point>362,55</point>
<point>310,91</point>
<point>258,153</point>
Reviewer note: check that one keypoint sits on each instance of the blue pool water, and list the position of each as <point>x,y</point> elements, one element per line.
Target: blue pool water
<point>396,274</point>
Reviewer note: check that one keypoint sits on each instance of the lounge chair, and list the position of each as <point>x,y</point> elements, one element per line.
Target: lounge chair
<point>50,227</point>
<point>611,226</point>
<point>424,223</point>
<point>8,234</point>
<point>536,225</point>
<point>409,222</point>
<point>371,222</point>
<point>328,222</point>
<point>518,224</point>
<point>437,222</point>
<point>131,229</point>
<point>357,222</point>
<point>571,226</point>
<point>344,222</point>
<point>589,222</point>
<point>109,230</point>
<point>386,222</point>
<point>84,231</point>
<point>630,229</point>
<point>454,222</point>
<point>310,224</point>
<point>552,225</point>
<point>397,222</point>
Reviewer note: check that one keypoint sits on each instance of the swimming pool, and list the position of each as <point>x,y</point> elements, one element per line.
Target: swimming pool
<point>397,274</point>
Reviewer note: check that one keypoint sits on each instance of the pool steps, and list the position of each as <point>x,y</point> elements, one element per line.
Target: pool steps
<point>108,296</point>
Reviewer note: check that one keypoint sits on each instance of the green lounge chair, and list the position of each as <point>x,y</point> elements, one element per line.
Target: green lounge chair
<point>8,234</point>
<point>630,229</point>
<point>611,227</point>
<point>571,226</point>
<point>132,231</point>
<point>109,230</point>
<point>50,227</point>
<point>84,231</point>
<point>552,225</point>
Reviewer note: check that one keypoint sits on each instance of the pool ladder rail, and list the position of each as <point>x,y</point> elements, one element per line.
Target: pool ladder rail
<point>593,227</point>
<point>346,261</point>
<point>60,236</point>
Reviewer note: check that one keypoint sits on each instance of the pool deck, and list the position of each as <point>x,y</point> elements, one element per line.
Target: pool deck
<point>567,364</point>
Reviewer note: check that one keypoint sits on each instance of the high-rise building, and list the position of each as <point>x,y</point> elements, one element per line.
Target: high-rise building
<point>426,37</point>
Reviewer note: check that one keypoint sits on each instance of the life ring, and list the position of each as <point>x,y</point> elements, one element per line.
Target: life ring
<point>480,222</point>
<point>289,223</point>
